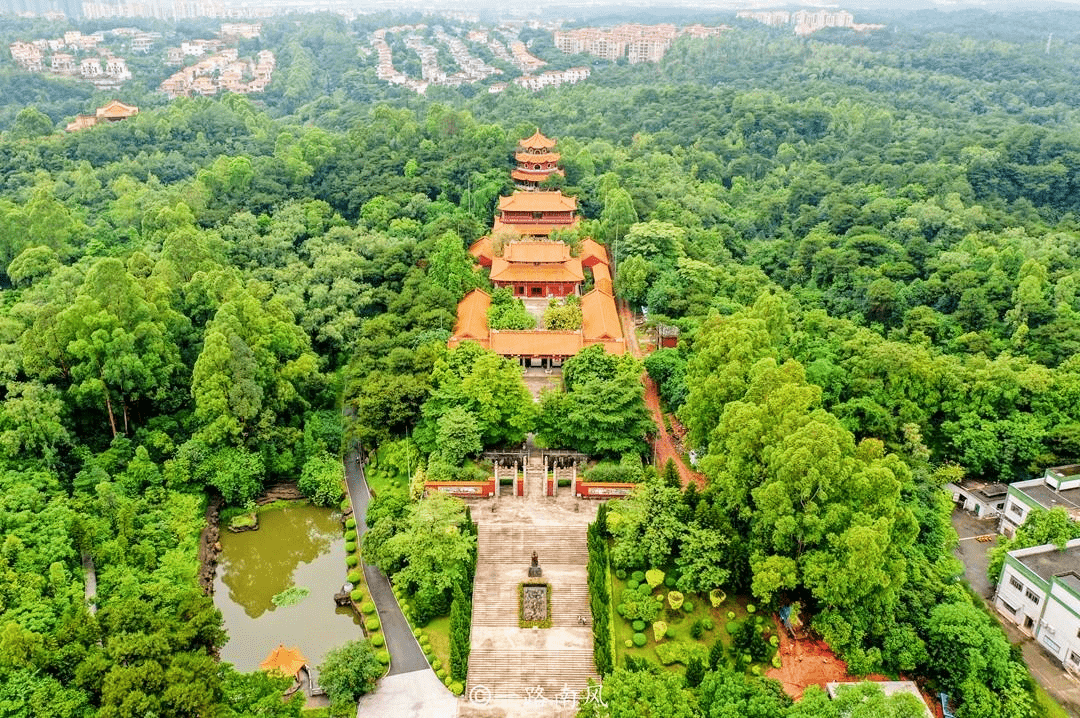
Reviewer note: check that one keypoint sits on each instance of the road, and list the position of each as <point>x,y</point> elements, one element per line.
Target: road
<point>405,653</point>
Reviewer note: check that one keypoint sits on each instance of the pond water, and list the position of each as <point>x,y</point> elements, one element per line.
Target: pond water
<point>300,546</point>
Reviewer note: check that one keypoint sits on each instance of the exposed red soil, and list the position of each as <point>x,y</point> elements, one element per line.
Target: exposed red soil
<point>664,446</point>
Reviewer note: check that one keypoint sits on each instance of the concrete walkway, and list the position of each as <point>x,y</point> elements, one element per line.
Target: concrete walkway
<point>1044,669</point>
<point>418,694</point>
<point>405,653</point>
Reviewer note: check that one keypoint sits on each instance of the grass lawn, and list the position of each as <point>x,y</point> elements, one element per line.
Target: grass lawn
<point>438,633</point>
<point>382,477</point>
<point>1050,707</point>
<point>679,623</point>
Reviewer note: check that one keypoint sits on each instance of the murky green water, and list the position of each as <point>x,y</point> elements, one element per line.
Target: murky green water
<point>296,546</point>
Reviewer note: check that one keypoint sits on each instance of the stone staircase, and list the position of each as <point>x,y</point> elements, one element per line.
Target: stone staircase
<point>515,662</point>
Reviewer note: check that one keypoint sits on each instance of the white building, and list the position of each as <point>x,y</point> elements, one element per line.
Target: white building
<point>1039,591</point>
<point>985,500</point>
<point>1059,486</point>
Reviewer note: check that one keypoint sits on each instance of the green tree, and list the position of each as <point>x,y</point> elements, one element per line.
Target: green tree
<point>347,673</point>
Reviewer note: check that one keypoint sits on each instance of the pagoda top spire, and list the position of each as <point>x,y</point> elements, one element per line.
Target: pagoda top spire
<point>537,142</point>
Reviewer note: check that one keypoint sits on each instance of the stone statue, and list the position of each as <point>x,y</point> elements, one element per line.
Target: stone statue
<point>534,569</point>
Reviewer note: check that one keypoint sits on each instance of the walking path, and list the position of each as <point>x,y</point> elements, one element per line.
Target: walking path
<point>405,653</point>
<point>90,578</point>
<point>665,447</point>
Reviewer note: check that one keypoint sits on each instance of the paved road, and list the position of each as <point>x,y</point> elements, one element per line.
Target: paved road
<point>405,653</point>
<point>1047,671</point>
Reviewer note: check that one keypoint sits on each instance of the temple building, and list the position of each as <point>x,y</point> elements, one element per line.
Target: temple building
<point>535,162</point>
<point>112,112</point>
<point>521,257</point>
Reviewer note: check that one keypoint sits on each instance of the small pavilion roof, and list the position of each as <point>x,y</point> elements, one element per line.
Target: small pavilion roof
<point>286,661</point>
<point>537,202</point>
<point>481,249</point>
<point>592,252</point>
<point>472,318</point>
<point>117,109</point>
<point>599,318</point>
<point>537,141</point>
<point>568,271</point>
<point>538,157</point>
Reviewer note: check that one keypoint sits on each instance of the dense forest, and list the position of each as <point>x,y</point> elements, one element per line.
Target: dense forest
<point>870,245</point>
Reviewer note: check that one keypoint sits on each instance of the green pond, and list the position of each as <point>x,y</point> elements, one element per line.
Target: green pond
<point>298,546</point>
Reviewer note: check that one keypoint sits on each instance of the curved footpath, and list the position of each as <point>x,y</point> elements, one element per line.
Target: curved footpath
<point>405,653</point>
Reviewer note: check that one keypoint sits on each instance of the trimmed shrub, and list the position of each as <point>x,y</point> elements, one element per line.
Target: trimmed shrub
<point>774,641</point>
<point>436,664</point>
<point>621,609</point>
<point>716,597</point>
<point>350,547</point>
<point>731,615</point>
<point>633,583</point>
<point>345,504</point>
<point>424,640</point>
<point>441,674</point>
<point>679,652</point>
<point>639,626</point>
<point>350,523</point>
<point>670,582</point>
<point>644,589</point>
<point>639,639</point>
<point>377,640</point>
<point>659,630</point>
<point>670,632</point>
<point>383,657</point>
<point>675,599</point>
<point>350,535</point>
<point>688,607</point>
<point>372,624</point>
<point>354,577</point>
<point>708,624</point>
<point>367,608</point>
<point>351,560</point>
<point>751,608</point>
<point>357,595</point>
<point>776,663</point>
<point>620,574</point>
<point>447,681</point>
<point>417,632</point>
<point>654,577</point>
<point>638,576</point>
<point>731,627</point>
<point>457,688</point>
<point>697,629</point>
<point>628,643</point>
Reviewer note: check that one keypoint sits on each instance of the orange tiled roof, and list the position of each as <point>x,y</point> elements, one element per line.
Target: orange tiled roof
<point>602,278</point>
<point>543,157</point>
<point>593,252</point>
<point>568,271</point>
<point>536,252</point>
<point>116,108</point>
<point>613,346</point>
<point>531,229</point>
<point>537,202</point>
<point>599,318</point>
<point>472,318</point>
<point>536,343</point>
<point>481,249</point>
<point>537,141</point>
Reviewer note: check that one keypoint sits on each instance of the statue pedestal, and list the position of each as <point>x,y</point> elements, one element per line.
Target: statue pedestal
<point>535,571</point>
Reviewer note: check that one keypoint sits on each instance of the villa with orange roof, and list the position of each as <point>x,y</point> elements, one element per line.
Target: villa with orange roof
<point>533,267</point>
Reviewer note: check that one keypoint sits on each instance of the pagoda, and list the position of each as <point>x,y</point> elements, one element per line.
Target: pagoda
<point>535,162</point>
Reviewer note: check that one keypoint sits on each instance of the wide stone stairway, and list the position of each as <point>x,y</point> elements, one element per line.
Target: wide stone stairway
<point>513,662</point>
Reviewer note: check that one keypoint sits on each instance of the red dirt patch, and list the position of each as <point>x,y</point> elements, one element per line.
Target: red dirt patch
<point>809,662</point>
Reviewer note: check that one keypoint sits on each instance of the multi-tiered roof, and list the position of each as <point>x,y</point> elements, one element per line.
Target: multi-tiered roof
<point>536,161</point>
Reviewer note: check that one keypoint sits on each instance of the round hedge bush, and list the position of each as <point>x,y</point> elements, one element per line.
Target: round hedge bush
<point>350,535</point>
<point>708,624</point>
<point>378,641</point>
<point>441,674</point>
<point>620,573</point>
<point>424,640</point>
<point>638,625</point>
<point>372,624</point>
<point>688,606</point>
<point>751,608</point>
<point>644,589</point>
<point>670,582</point>
<point>383,657</point>
<point>456,688</point>
<point>628,643</point>
<point>367,608</point>
<point>639,639</point>
<point>670,632</point>
<point>776,663</point>
<point>638,576</point>
<point>416,632</point>
<point>345,504</point>
<point>447,681</point>
<point>633,583</point>
<point>731,627</point>
<point>774,641</point>
<point>354,577</point>
<point>621,609</point>
<point>731,615</point>
<point>756,670</point>
<point>350,547</point>
<point>436,664</point>
<point>351,560</point>
<point>350,523</point>
<point>357,595</point>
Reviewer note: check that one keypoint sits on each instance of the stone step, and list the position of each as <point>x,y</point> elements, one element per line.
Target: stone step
<point>525,673</point>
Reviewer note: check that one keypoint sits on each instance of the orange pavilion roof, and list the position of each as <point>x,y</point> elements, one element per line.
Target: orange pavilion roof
<point>537,141</point>
<point>481,249</point>
<point>593,253</point>
<point>536,343</point>
<point>541,252</point>
<point>568,271</point>
<point>599,318</point>
<point>472,318</point>
<point>537,202</point>
<point>538,157</point>
<point>117,109</point>
<point>286,661</point>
